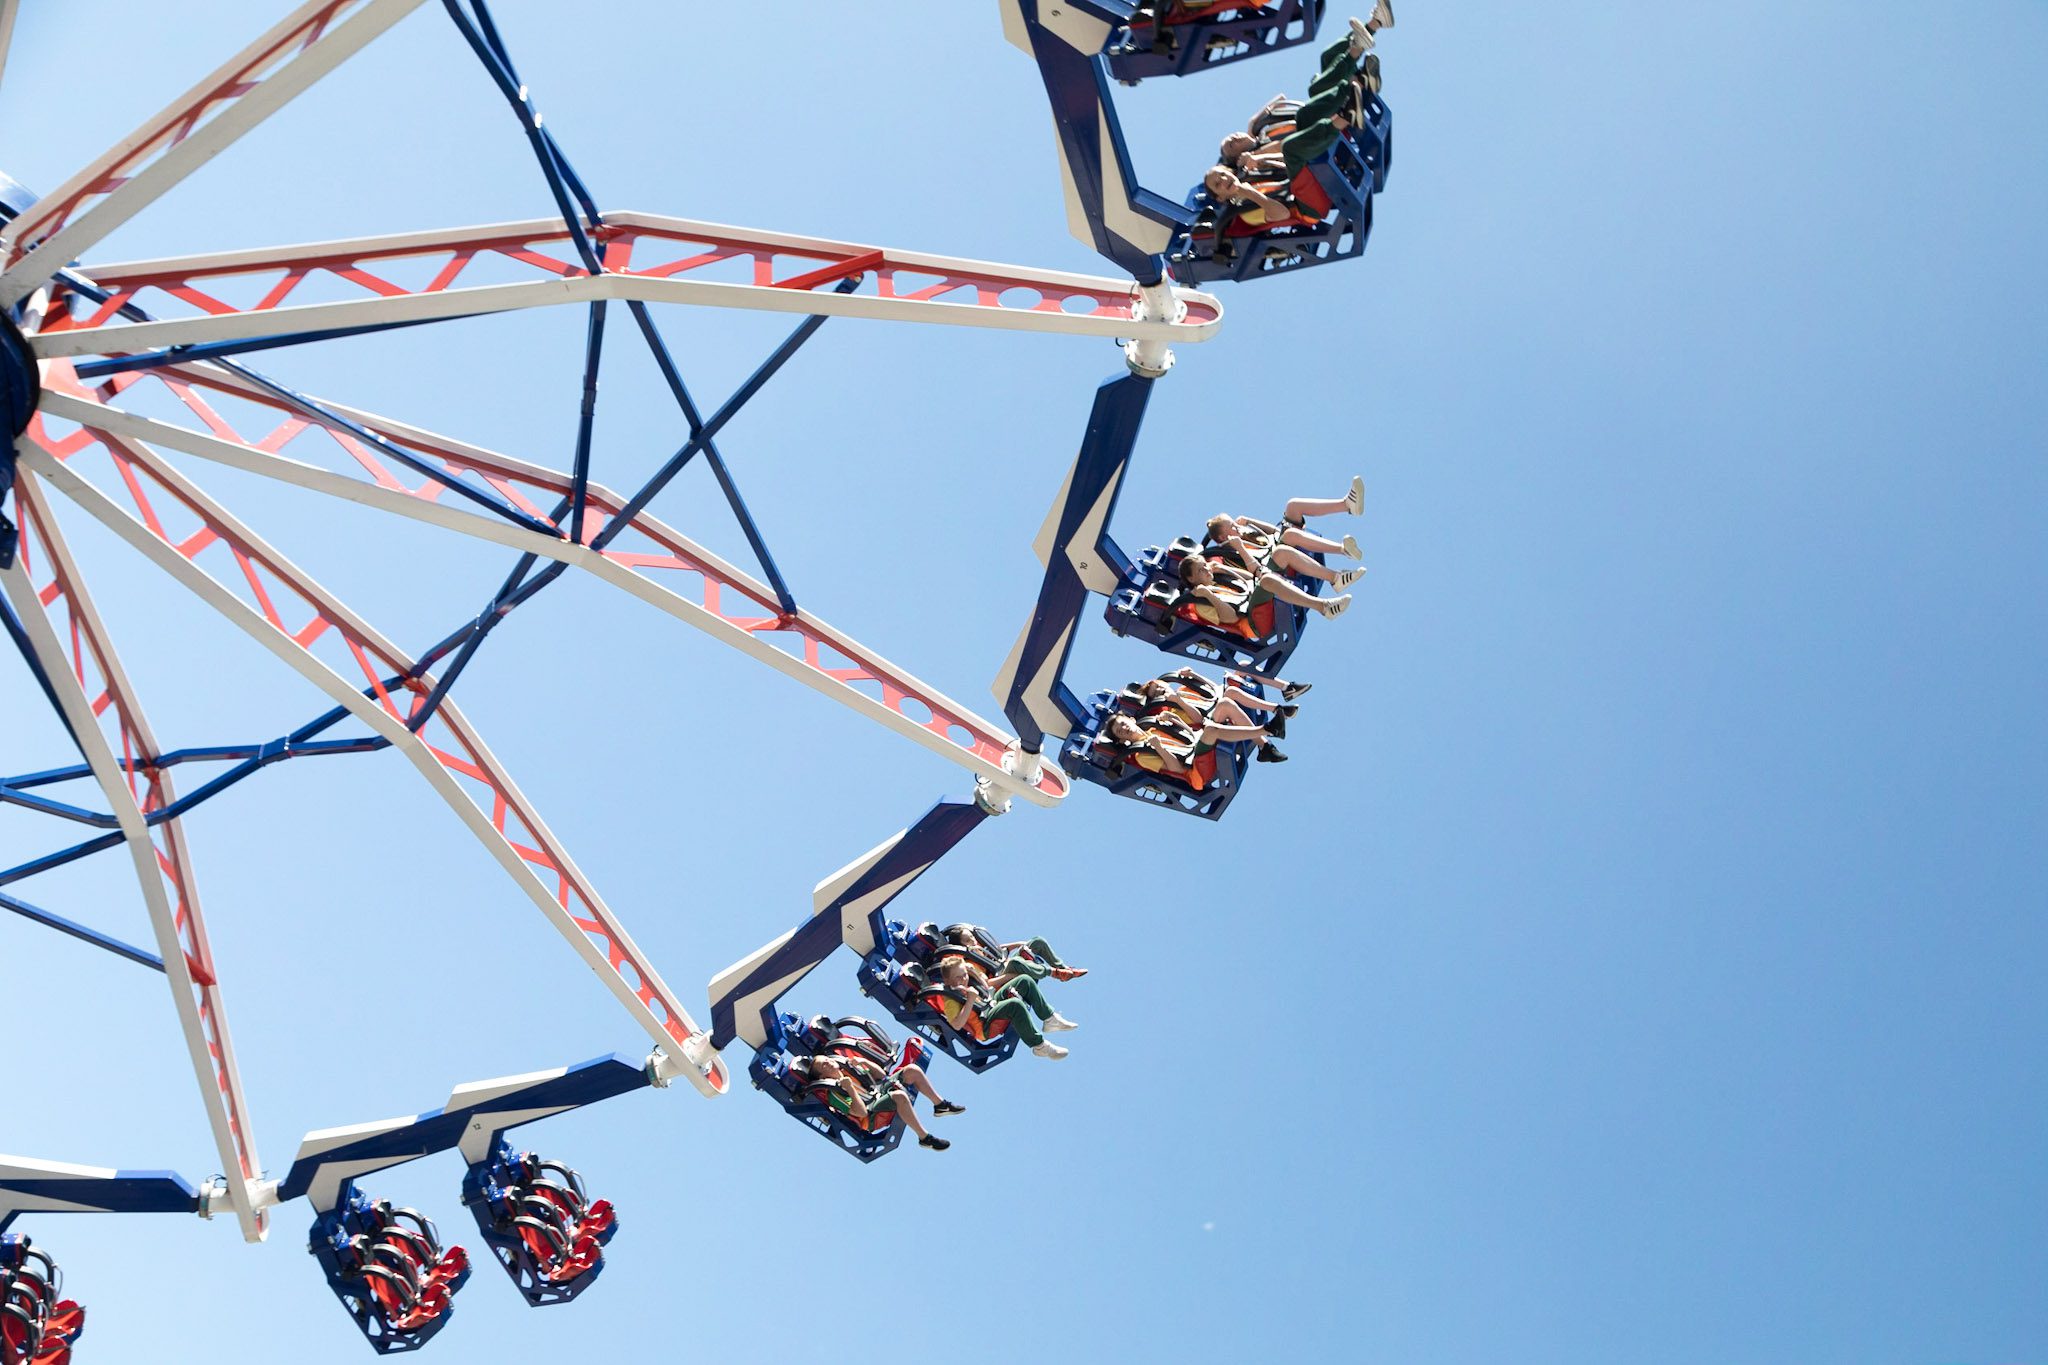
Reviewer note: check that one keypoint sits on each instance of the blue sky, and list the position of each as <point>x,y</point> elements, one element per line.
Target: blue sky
<point>1639,960</point>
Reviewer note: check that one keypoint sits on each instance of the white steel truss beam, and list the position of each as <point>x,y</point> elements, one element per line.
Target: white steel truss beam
<point>712,595</point>
<point>646,257</point>
<point>241,93</point>
<point>285,610</point>
<point>99,703</point>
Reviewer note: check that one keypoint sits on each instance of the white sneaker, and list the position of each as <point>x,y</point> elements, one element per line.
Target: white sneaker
<point>1354,501</point>
<point>1346,577</point>
<point>1351,547</point>
<point>1383,14</point>
<point>1059,1024</point>
<point>1052,1052</point>
<point>1336,607</point>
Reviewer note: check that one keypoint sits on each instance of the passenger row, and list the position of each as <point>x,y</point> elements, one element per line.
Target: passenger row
<point>958,989</point>
<point>1294,187</point>
<point>1241,594</point>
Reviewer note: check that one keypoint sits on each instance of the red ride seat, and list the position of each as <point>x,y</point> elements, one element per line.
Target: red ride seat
<point>977,1028</point>
<point>1256,626</point>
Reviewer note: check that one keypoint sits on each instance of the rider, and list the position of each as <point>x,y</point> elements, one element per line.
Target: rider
<point>1254,545</point>
<point>859,1087</point>
<point>969,990</point>
<point>1170,747</point>
<point>1223,594</point>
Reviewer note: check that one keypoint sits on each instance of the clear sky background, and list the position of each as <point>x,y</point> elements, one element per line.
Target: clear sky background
<point>1641,959</point>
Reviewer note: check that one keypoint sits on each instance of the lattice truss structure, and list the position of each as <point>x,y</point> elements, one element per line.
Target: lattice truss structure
<point>124,380</point>
<point>111,341</point>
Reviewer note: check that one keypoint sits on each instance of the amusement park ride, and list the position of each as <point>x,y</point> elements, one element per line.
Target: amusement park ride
<point>83,344</point>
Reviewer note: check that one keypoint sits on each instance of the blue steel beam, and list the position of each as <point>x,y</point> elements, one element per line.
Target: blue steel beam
<point>43,805</point>
<point>79,931</point>
<point>1111,211</point>
<point>19,635</point>
<point>470,1122</point>
<point>491,53</point>
<point>586,420</point>
<point>21,871</point>
<point>29,1186</point>
<point>744,995</point>
<point>308,407</point>
<point>192,353</point>
<point>1079,558</point>
<point>703,432</point>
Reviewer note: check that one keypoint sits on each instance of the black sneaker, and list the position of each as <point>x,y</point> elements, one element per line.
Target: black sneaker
<point>1277,727</point>
<point>1270,753</point>
<point>1293,690</point>
<point>1289,712</point>
<point>937,1144</point>
<point>941,1108</point>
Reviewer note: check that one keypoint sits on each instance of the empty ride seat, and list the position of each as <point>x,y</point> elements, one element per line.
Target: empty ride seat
<point>388,1267</point>
<point>540,1224</point>
<point>37,1325</point>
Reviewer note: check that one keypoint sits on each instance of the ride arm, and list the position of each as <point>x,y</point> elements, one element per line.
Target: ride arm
<point>1106,207</point>
<point>847,910</point>
<point>31,1186</point>
<point>472,1121</point>
<point>1079,558</point>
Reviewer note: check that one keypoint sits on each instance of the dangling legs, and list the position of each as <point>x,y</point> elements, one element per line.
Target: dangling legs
<point>1287,592</point>
<point>1300,509</point>
<point>1301,538</point>
<point>906,1109</point>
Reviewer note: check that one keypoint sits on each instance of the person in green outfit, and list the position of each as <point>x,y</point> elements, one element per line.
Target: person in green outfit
<point>1032,957</point>
<point>857,1091</point>
<point>1017,1002</point>
<point>1335,101</point>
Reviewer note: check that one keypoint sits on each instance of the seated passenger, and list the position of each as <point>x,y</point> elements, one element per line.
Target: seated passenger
<point>1168,696</point>
<point>1350,72</point>
<point>1224,595</point>
<point>978,1007</point>
<point>1286,134</point>
<point>1254,546</point>
<point>859,1090</point>
<point>1032,957</point>
<point>1245,201</point>
<point>1234,683</point>
<point>1172,748</point>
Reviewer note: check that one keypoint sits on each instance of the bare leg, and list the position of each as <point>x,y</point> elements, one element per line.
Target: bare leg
<point>1353,502</point>
<point>1290,560</point>
<point>1245,699</point>
<point>1302,539</point>
<point>906,1109</point>
<point>1299,509</point>
<point>1213,732</point>
<point>1287,592</point>
<point>1230,713</point>
<point>914,1077</point>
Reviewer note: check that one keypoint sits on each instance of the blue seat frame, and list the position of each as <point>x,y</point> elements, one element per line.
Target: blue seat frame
<point>1251,30</point>
<point>882,980</point>
<point>1350,173</point>
<point>1144,609</point>
<point>329,1240</point>
<point>1083,762</point>
<point>769,1071</point>
<point>511,1249</point>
